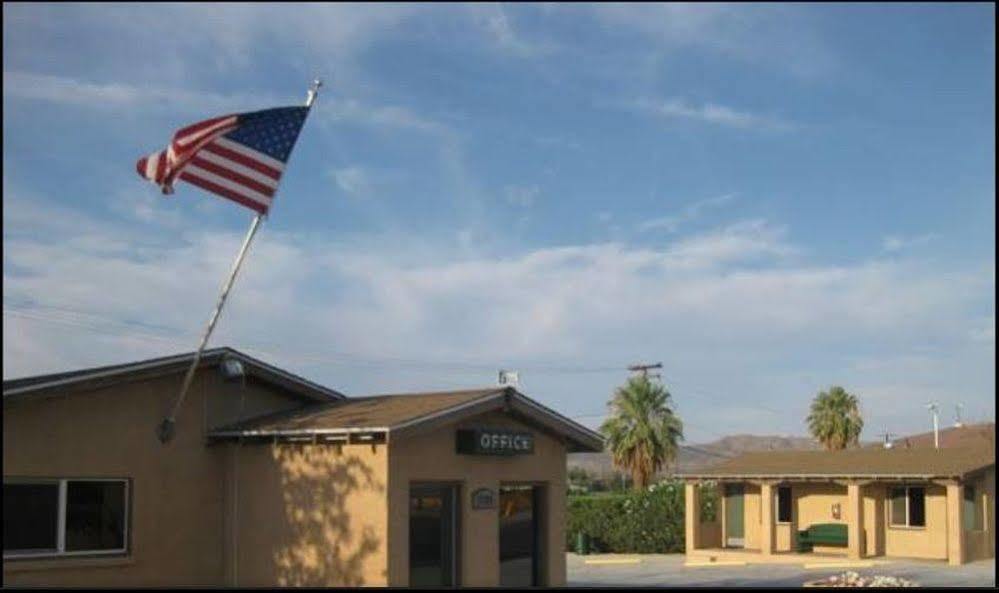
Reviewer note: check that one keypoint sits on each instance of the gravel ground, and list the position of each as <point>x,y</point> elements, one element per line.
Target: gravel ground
<point>655,570</point>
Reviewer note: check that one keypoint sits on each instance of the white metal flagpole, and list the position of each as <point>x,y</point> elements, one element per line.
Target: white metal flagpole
<point>166,428</point>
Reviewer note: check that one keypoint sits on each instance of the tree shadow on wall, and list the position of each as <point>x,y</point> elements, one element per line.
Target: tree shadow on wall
<point>325,549</point>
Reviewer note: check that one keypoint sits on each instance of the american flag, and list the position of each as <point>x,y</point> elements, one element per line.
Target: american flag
<point>239,157</point>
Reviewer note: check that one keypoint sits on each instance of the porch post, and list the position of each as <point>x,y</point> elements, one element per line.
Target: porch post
<point>692,516</point>
<point>854,521</point>
<point>955,523</point>
<point>723,514</point>
<point>766,518</point>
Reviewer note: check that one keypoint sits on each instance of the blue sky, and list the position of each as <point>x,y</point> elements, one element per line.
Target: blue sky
<point>769,199</point>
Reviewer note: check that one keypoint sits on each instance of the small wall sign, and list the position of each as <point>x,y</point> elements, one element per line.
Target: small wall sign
<point>836,510</point>
<point>494,441</point>
<point>484,498</point>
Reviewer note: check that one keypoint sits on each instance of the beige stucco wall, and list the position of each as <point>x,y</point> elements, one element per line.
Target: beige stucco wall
<point>177,495</point>
<point>921,542</point>
<point>308,515</point>
<point>432,457</point>
<point>751,508</point>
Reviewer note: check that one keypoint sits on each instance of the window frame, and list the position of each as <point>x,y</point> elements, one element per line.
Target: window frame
<point>908,510</point>
<point>60,551</point>
<point>790,504</point>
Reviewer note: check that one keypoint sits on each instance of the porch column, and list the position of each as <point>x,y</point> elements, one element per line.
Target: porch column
<point>692,516</point>
<point>955,523</point>
<point>766,518</point>
<point>722,514</point>
<point>854,521</point>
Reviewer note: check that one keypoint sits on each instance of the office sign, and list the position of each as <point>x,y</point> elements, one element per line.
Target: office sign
<point>494,441</point>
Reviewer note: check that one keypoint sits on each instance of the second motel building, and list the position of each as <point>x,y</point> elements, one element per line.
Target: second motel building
<point>936,504</point>
<point>271,479</point>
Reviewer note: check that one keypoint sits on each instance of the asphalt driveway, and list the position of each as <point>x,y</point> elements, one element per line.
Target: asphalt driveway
<point>655,570</point>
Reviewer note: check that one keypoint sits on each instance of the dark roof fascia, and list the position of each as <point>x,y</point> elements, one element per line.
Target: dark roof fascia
<point>17,390</point>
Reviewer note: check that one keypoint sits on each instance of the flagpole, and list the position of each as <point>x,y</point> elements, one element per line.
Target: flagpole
<point>165,430</point>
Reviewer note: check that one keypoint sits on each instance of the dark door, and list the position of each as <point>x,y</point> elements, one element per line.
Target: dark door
<point>520,549</point>
<point>432,536</point>
<point>735,516</point>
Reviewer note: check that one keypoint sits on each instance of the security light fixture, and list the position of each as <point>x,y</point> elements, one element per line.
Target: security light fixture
<point>232,369</point>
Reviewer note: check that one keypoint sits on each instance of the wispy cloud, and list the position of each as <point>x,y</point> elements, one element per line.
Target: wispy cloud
<point>895,243</point>
<point>712,113</point>
<point>520,195</point>
<point>353,180</point>
<point>671,223</point>
<point>112,96</point>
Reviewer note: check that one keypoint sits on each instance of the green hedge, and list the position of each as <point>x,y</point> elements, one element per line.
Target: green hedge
<point>644,522</point>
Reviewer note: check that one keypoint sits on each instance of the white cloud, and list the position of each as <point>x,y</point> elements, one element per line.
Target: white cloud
<point>895,243</point>
<point>115,96</point>
<point>353,180</point>
<point>677,108</point>
<point>520,195</point>
<point>672,223</point>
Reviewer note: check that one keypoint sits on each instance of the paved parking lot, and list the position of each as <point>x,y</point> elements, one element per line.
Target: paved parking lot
<point>654,570</point>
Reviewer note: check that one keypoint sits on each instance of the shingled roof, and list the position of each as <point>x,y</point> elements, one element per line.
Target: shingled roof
<point>854,463</point>
<point>406,413</point>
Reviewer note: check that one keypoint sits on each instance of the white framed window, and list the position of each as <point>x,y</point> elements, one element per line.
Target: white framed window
<point>907,506</point>
<point>44,517</point>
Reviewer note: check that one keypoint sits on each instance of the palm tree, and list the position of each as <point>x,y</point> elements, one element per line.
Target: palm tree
<point>835,419</point>
<point>642,430</point>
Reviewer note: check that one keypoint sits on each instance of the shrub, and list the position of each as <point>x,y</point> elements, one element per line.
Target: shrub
<point>645,522</point>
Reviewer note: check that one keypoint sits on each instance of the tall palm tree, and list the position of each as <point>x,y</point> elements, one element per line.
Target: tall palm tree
<point>835,419</point>
<point>643,430</point>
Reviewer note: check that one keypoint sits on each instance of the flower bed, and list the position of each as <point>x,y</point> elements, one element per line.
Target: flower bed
<point>854,579</point>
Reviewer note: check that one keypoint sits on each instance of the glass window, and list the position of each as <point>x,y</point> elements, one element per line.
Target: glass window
<point>917,507</point>
<point>973,516</point>
<point>30,517</point>
<point>898,506</point>
<point>64,517</point>
<point>784,504</point>
<point>908,506</point>
<point>95,516</point>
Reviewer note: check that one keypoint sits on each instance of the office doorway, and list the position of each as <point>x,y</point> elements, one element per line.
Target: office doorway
<point>433,535</point>
<point>520,517</point>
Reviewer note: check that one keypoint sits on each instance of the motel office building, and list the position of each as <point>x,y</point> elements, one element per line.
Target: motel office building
<point>274,480</point>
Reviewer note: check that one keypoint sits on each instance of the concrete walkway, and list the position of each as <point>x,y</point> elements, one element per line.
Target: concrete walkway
<point>659,570</point>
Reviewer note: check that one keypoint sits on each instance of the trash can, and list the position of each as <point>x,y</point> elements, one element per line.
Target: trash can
<point>582,543</point>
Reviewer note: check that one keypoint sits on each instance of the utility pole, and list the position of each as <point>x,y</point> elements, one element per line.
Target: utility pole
<point>934,408</point>
<point>645,368</point>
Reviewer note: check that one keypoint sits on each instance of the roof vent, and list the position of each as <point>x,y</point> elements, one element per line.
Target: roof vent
<point>232,369</point>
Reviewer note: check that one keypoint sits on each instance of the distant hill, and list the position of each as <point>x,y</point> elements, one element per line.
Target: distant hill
<point>696,456</point>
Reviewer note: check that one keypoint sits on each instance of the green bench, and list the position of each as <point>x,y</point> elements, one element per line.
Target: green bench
<point>823,534</point>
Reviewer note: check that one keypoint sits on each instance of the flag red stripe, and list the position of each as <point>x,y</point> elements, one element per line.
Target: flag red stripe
<point>224,192</point>
<point>246,161</point>
<point>161,166</point>
<point>194,128</point>
<point>141,167</point>
<point>232,176</point>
